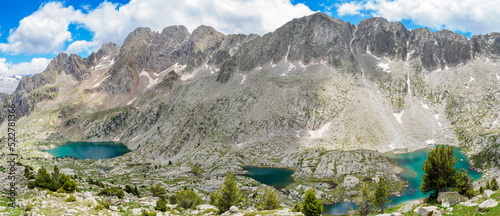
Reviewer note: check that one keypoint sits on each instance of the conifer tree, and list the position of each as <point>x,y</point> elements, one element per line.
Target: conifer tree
<point>379,197</point>
<point>311,205</point>
<point>439,171</point>
<point>363,200</point>
<point>494,184</point>
<point>464,184</point>
<point>228,194</point>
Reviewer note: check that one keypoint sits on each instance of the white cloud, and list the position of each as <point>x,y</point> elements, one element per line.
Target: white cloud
<point>476,17</point>
<point>36,65</point>
<point>46,30</point>
<point>351,8</point>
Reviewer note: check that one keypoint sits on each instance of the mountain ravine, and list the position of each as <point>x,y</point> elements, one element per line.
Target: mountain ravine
<point>320,96</point>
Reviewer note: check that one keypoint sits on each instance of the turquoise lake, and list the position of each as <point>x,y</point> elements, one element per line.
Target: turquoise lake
<point>90,150</point>
<point>410,162</point>
<point>276,177</point>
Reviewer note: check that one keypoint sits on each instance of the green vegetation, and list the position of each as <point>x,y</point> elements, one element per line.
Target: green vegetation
<point>228,194</point>
<point>71,198</point>
<point>493,185</point>
<point>311,205</point>
<point>464,184</point>
<point>161,205</point>
<point>379,196</point>
<point>115,191</point>
<point>187,198</point>
<point>440,173</point>
<point>158,191</point>
<point>270,200</point>
<point>55,182</point>
<point>363,201</point>
<point>132,190</point>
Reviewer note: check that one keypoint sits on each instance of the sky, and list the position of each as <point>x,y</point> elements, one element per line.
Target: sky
<point>32,32</point>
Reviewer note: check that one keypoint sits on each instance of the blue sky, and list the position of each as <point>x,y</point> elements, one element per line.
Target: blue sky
<point>34,31</point>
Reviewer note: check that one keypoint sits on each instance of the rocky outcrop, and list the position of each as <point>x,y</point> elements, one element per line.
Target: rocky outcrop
<point>451,198</point>
<point>109,50</point>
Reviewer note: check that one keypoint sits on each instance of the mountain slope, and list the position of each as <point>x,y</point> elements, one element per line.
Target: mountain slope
<point>215,100</point>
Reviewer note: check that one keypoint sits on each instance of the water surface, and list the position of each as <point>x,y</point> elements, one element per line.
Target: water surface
<point>276,177</point>
<point>90,150</point>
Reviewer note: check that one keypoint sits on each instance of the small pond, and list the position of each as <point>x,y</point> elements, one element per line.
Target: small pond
<point>90,150</point>
<point>276,177</point>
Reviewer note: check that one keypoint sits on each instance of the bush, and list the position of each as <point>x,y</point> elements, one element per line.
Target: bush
<point>161,205</point>
<point>116,191</point>
<point>187,198</point>
<point>147,213</point>
<point>270,200</point>
<point>31,184</point>
<point>60,190</point>
<point>297,207</point>
<point>132,190</point>
<point>157,191</point>
<point>71,198</point>
<point>228,194</point>
<point>106,204</point>
<point>464,184</point>
<point>311,205</point>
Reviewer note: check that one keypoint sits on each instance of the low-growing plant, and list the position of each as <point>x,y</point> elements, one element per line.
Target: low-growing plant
<point>71,198</point>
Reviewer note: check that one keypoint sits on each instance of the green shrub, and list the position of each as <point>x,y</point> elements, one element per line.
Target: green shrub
<point>148,213</point>
<point>297,207</point>
<point>157,191</point>
<point>115,191</point>
<point>187,198</point>
<point>311,205</point>
<point>270,200</point>
<point>71,198</point>
<point>228,194</point>
<point>161,205</point>
<point>106,204</point>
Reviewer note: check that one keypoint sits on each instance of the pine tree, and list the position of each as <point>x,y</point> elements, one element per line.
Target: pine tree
<point>488,186</point>
<point>481,190</point>
<point>464,184</point>
<point>158,191</point>
<point>363,200</point>
<point>311,205</point>
<point>56,174</point>
<point>494,184</point>
<point>270,200</point>
<point>440,173</point>
<point>43,179</point>
<point>228,194</point>
<point>380,195</point>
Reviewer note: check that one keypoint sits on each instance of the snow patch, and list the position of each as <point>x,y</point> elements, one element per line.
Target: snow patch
<point>398,116</point>
<point>436,116</point>
<point>391,146</point>
<point>384,66</point>
<point>425,106</point>
<point>244,78</point>
<point>430,141</point>
<point>471,79</point>
<point>319,133</point>
<point>370,53</point>
<point>498,77</point>
<point>151,81</point>
<point>131,101</point>
<point>97,84</point>
<point>258,68</point>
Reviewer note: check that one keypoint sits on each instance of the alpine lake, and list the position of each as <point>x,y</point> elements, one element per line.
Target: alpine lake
<point>412,173</point>
<point>89,150</point>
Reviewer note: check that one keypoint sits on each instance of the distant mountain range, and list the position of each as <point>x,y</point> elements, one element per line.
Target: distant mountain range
<point>9,83</point>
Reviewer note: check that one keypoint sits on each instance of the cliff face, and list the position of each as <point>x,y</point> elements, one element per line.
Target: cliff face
<point>314,82</point>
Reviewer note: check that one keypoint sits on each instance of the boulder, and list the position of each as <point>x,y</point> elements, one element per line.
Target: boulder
<point>451,198</point>
<point>350,181</point>
<point>437,213</point>
<point>487,204</point>
<point>87,194</point>
<point>113,208</point>
<point>428,210</point>
<point>468,203</point>
<point>234,209</point>
<point>487,193</point>
<point>408,207</point>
